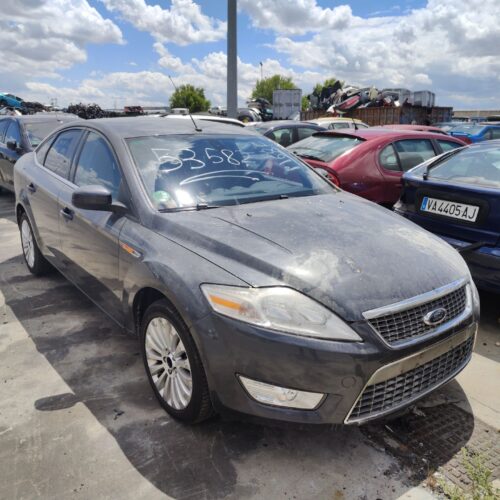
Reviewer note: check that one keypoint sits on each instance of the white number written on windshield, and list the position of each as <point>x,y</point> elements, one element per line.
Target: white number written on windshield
<point>189,159</point>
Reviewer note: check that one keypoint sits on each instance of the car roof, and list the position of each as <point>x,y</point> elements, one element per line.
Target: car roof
<point>44,117</point>
<point>375,133</point>
<point>280,123</point>
<point>335,119</point>
<point>138,126</point>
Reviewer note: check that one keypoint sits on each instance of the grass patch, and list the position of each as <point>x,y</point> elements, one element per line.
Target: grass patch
<point>480,477</point>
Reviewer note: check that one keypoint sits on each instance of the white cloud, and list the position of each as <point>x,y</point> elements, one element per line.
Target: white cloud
<point>297,17</point>
<point>182,24</point>
<point>443,46</point>
<point>40,37</point>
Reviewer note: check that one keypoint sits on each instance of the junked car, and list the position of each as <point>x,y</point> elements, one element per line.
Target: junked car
<point>22,134</point>
<point>457,197</point>
<point>370,162</point>
<point>253,283</point>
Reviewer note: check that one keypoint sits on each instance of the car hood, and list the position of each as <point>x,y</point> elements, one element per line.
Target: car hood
<point>347,253</point>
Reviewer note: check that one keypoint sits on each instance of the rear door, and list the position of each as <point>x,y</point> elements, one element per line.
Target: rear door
<point>400,156</point>
<point>44,178</point>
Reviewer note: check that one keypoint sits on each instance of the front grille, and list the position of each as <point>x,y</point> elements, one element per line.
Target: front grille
<point>395,392</point>
<point>408,324</point>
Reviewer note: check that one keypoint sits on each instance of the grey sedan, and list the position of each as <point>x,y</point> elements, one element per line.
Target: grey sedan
<point>253,284</point>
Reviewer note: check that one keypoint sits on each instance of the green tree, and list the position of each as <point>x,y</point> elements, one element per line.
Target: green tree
<point>188,96</point>
<point>305,103</point>
<point>265,87</point>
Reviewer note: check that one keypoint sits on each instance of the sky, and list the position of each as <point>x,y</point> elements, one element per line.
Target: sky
<point>122,52</point>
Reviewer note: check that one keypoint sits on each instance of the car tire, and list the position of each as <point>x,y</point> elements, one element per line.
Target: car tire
<point>173,364</point>
<point>36,262</point>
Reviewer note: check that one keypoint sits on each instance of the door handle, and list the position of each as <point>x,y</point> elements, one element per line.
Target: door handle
<point>67,213</point>
<point>31,187</point>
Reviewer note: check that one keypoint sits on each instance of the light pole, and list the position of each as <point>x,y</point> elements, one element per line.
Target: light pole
<point>232,63</point>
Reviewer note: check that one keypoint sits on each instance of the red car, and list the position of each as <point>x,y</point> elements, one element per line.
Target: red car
<point>370,162</point>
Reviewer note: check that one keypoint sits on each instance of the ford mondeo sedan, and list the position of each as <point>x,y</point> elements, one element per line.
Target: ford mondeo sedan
<point>253,283</point>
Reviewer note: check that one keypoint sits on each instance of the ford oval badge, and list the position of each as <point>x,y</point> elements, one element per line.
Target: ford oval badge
<point>435,317</point>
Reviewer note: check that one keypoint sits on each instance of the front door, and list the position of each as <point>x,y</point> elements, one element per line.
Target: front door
<point>90,238</point>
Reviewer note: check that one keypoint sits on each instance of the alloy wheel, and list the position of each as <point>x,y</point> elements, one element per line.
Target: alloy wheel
<point>27,243</point>
<point>168,363</point>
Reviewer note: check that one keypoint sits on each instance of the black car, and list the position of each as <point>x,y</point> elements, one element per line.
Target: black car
<point>22,134</point>
<point>457,197</point>
<point>252,282</point>
<point>286,132</point>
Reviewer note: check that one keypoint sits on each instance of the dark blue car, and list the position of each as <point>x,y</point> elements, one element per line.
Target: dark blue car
<point>476,132</point>
<point>457,197</point>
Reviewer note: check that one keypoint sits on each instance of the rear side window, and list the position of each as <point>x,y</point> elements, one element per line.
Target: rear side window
<point>13,134</point>
<point>448,145</point>
<point>411,152</point>
<point>304,132</point>
<point>59,157</point>
<point>3,128</point>
<point>389,159</point>
<point>97,165</point>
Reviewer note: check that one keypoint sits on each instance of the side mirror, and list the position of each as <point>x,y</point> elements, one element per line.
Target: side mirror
<point>92,198</point>
<point>12,145</point>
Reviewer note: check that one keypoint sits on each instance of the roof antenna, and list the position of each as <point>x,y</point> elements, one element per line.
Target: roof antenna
<point>354,123</point>
<point>198,129</point>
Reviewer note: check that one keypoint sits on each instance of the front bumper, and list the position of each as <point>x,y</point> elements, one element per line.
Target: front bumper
<point>340,370</point>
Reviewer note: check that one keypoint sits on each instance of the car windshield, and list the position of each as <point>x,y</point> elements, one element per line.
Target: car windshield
<point>324,147</point>
<point>38,131</point>
<point>185,171</point>
<point>473,165</point>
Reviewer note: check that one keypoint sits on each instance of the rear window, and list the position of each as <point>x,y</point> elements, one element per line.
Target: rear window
<point>479,166</point>
<point>325,148</point>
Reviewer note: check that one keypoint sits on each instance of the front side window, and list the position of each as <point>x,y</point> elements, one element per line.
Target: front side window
<point>13,134</point>
<point>183,171</point>
<point>97,165</point>
<point>412,152</point>
<point>478,166</point>
<point>283,136</point>
<point>58,159</point>
<point>495,133</point>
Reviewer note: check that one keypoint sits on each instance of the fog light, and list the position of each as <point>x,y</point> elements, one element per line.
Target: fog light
<point>280,396</point>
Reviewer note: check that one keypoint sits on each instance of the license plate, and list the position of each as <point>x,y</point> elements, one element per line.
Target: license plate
<point>450,209</point>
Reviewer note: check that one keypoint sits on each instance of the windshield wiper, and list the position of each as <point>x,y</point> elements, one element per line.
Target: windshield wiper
<point>309,157</point>
<point>198,206</point>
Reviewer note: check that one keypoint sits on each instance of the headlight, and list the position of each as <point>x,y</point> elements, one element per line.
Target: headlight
<point>278,308</point>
